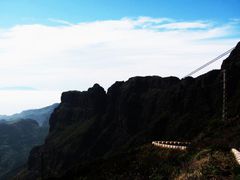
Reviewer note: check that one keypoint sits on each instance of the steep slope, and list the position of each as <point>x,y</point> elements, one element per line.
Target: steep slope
<point>41,115</point>
<point>16,141</point>
<point>94,124</point>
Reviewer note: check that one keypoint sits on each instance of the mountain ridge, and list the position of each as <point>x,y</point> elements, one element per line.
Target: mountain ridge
<point>40,115</point>
<point>96,124</point>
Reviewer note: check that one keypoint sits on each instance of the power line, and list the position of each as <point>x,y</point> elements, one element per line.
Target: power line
<point>224,106</point>
<point>210,62</point>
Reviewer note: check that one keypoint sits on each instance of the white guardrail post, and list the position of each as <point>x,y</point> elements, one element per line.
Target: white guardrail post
<point>236,154</point>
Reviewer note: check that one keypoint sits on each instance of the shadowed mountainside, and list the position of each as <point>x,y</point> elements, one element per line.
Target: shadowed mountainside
<point>19,133</point>
<point>16,141</point>
<point>91,125</point>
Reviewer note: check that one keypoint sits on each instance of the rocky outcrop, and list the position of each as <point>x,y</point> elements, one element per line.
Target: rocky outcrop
<point>78,106</point>
<point>96,124</point>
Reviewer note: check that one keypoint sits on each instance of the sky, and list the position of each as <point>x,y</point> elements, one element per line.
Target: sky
<point>51,46</point>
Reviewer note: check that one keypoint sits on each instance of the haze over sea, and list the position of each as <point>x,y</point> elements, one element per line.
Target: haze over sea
<point>15,101</point>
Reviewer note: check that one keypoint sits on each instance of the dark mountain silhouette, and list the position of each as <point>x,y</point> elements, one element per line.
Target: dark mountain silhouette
<point>16,141</point>
<point>41,115</point>
<point>94,133</point>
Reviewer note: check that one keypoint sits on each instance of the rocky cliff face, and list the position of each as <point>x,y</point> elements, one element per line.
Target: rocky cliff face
<point>95,124</point>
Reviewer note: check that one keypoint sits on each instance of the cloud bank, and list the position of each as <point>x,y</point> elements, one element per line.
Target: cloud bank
<point>75,56</point>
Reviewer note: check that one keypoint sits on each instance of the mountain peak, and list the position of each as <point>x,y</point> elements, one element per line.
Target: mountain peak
<point>233,59</point>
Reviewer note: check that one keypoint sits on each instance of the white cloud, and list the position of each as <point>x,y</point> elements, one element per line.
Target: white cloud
<point>74,56</point>
<point>60,21</point>
<point>185,25</point>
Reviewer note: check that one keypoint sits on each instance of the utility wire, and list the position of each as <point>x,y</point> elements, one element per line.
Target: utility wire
<point>210,62</point>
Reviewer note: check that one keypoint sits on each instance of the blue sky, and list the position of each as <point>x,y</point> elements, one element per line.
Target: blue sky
<point>50,46</point>
<point>38,11</point>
